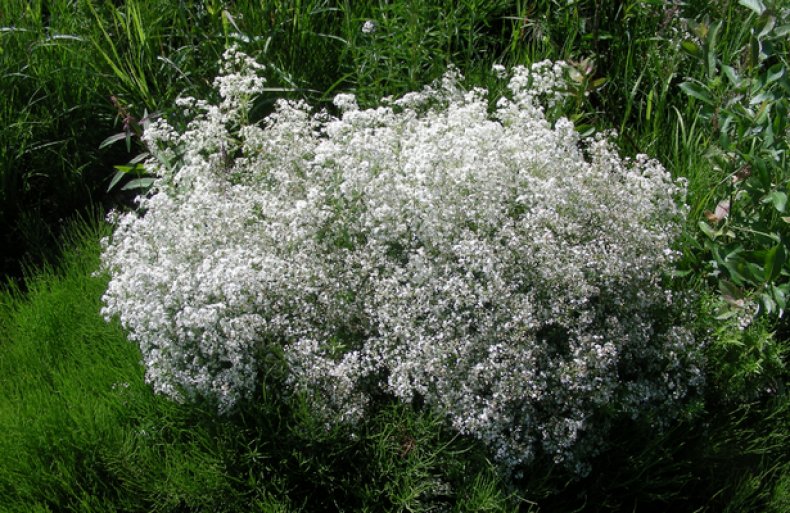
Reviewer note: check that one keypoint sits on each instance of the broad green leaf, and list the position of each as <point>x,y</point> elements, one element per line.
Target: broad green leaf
<point>729,290</point>
<point>768,26</point>
<point>735,273</point>
<point>774,260</point>
<point>731,75</point>
<point>768,135</point>
<point>755,49</point>
<point>707,230</point>
<point>774,73</point>
<point>755,5</point>
<point>768,303</point>
<point>697,91</point>
<point>691,48</point>
<point>710,44</point>
<point>756,272</point>
<point>762,98</point>
<point>767,49</point>
<point>727,314</point>
<point>779,296</point>
<point>724,136</point>
<point>778,199</point>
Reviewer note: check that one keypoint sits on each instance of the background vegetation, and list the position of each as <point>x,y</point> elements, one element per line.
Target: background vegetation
<point>701,85</point>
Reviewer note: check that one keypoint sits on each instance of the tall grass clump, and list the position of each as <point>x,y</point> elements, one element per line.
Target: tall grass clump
<point>396,47</point>
<point>46,156</point>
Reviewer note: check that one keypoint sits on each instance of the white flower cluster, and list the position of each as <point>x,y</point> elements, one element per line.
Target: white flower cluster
<point>491,266</point>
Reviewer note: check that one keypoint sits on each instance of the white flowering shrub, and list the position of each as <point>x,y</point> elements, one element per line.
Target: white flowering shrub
<point>489,265</point>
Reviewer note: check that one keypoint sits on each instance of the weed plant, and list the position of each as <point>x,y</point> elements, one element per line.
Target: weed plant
<point>77,438</point>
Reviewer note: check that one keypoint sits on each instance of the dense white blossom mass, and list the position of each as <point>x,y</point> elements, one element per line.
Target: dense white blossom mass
<point>483,262</point>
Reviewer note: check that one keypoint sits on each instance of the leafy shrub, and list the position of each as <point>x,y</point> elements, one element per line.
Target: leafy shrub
<point>745,97</point>
<point>742,94</point>
<point>489,265</point>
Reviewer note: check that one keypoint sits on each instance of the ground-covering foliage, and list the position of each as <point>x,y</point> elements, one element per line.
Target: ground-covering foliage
<point>700,85</point>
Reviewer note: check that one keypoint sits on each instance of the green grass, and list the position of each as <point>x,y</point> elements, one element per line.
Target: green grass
<point>81,431</point>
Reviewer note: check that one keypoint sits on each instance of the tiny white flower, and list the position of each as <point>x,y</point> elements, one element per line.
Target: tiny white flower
<point>497,266</point>
<point>368,27</point>
<point>345,102</point>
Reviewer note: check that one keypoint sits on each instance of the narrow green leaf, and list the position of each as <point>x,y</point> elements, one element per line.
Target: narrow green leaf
<point>139,183</point>
<point>112,139</point>
<point>649,109</point>
<point>139,158</point>
<point>115,179</point>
